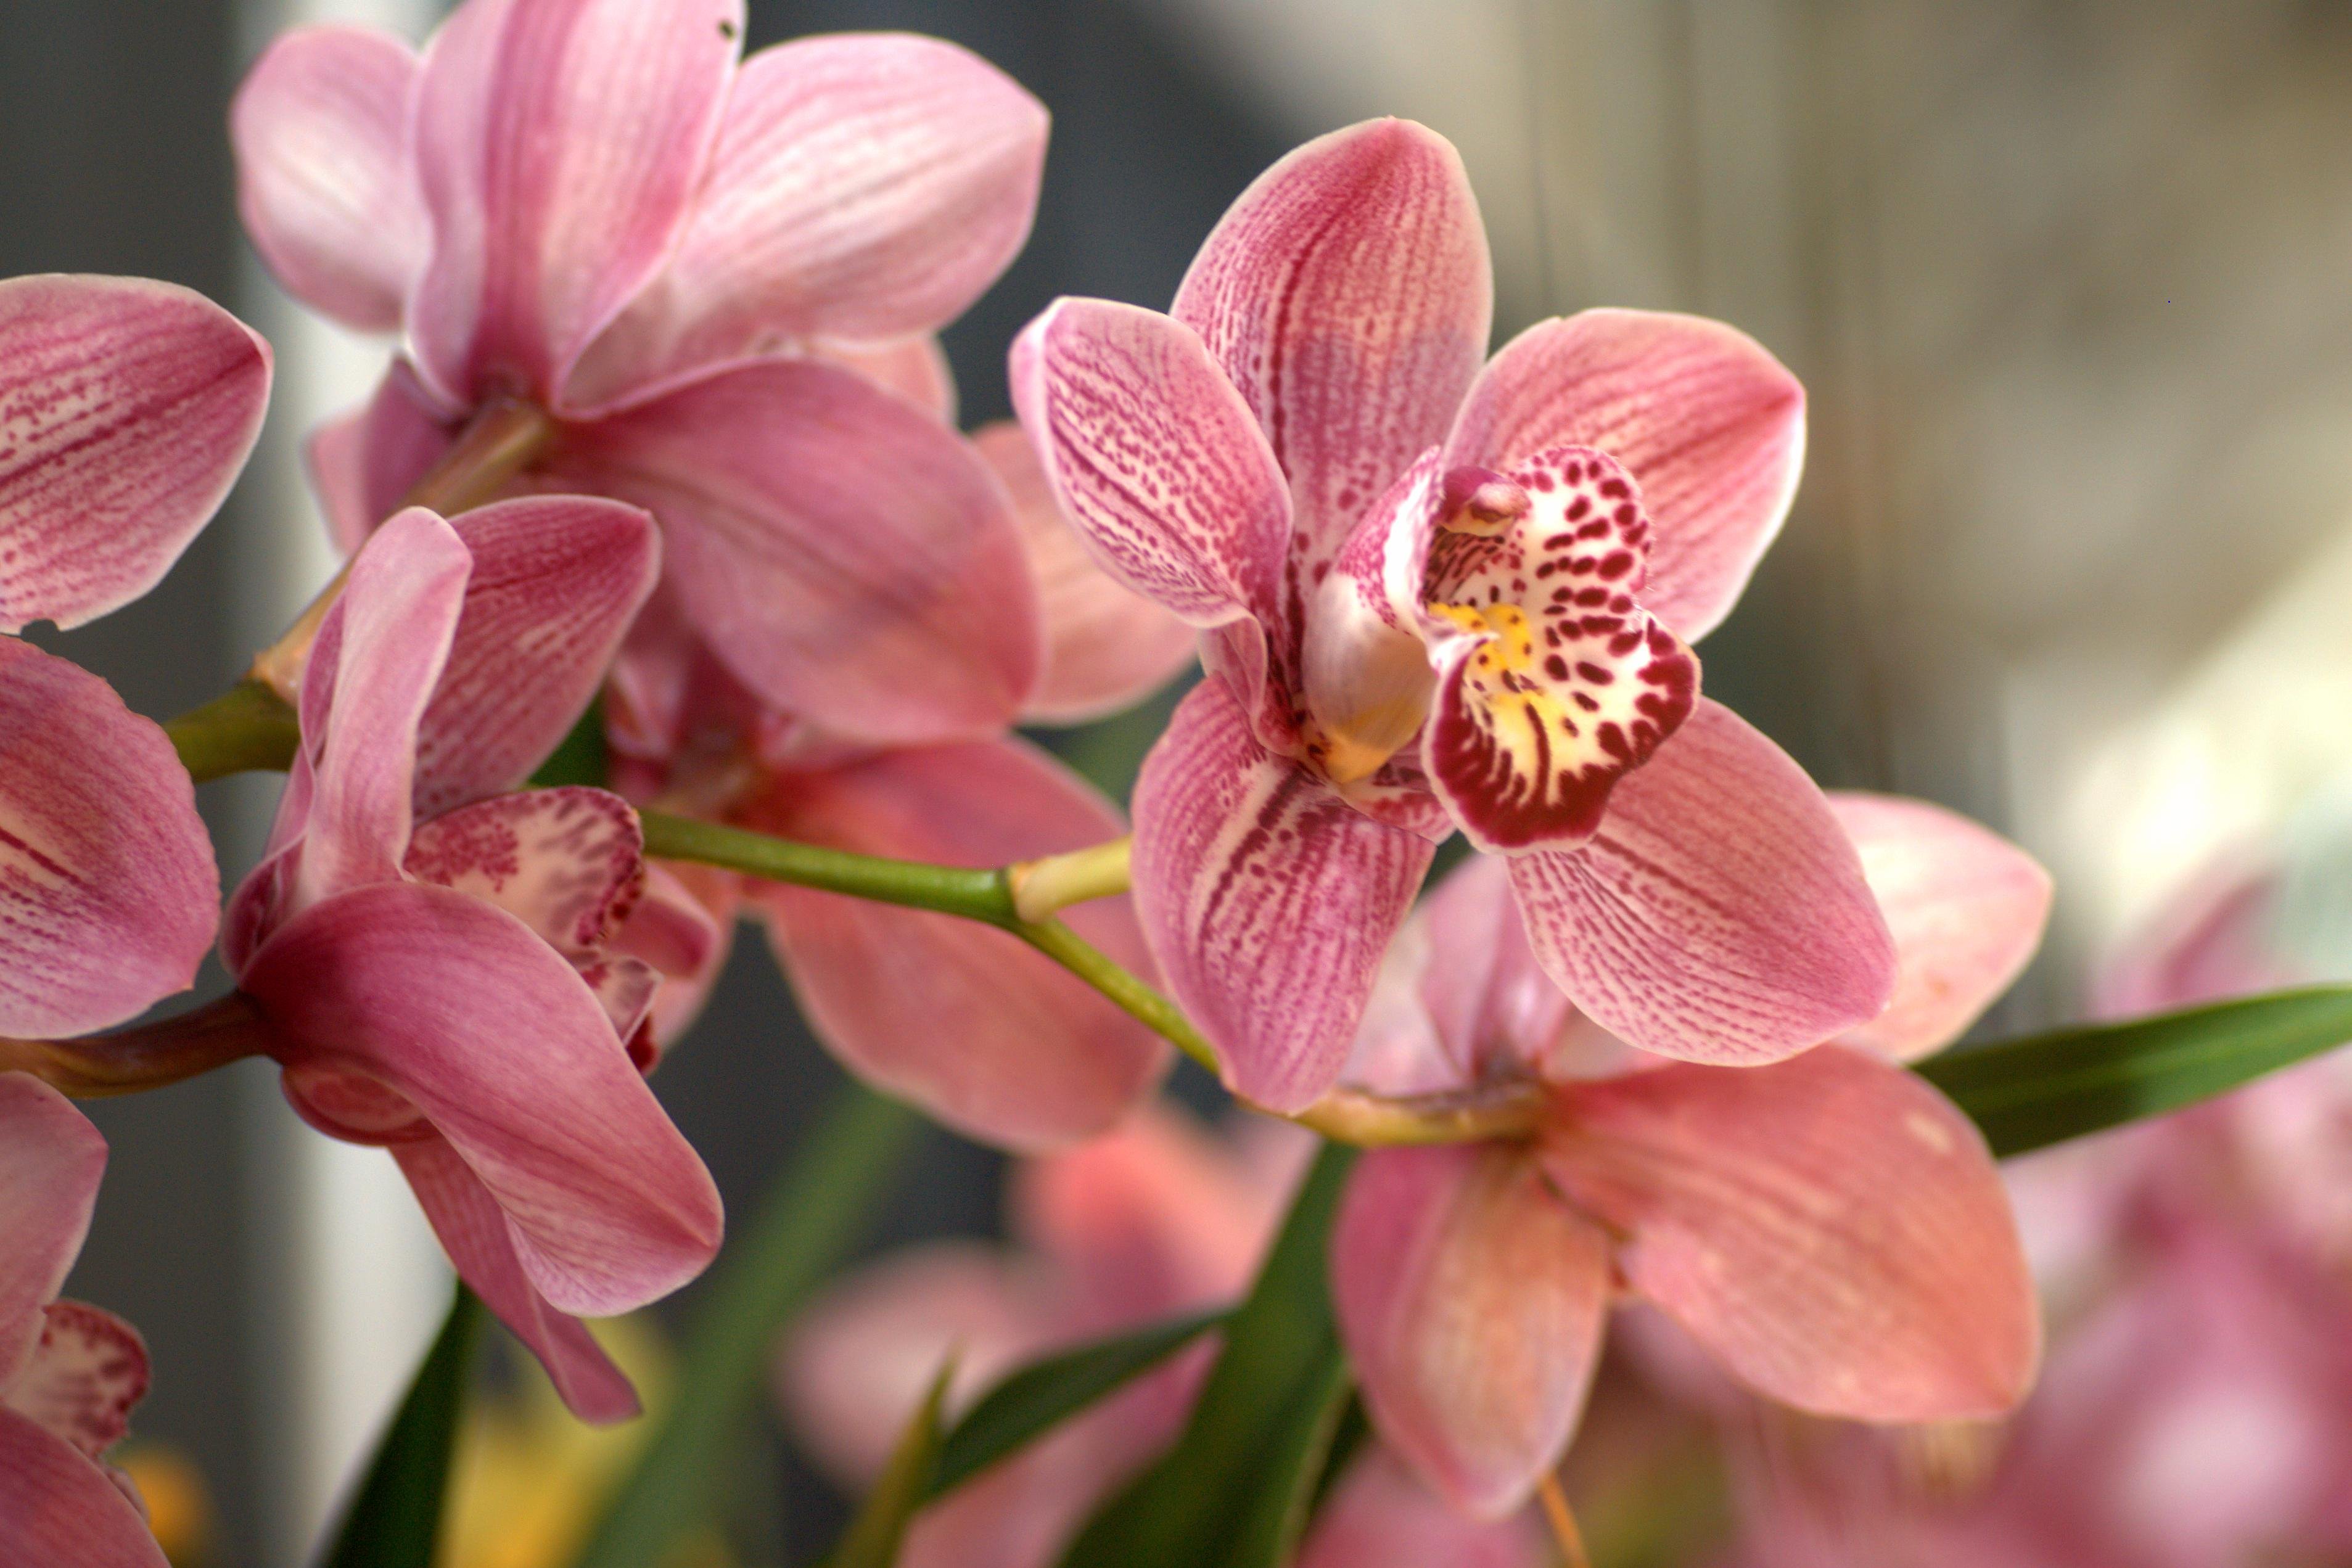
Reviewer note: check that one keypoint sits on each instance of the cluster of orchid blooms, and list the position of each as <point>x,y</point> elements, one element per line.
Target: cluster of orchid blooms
<point>667,431</point>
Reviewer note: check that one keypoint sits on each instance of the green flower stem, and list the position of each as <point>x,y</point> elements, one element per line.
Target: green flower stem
<point>974,893</point>
<point>247,729</point>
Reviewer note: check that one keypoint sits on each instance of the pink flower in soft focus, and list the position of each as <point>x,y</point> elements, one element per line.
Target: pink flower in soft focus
<point>1380,540</point>
<point>1828,1228</point>
<point>983,1032</point>
<point>1153,1219</point>
<point>70,1373</point>
<point>434,961</point>
<point>127,409</point>
<point>588,204</point>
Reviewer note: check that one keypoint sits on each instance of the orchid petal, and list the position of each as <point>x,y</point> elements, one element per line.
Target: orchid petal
<point>1711,426</point>
<point>916,369</point>
<point>682,929</point>
<point>1349,295</point>
<point>2215,938</point>
<point>51,1160</point>
<point>59,1511</point>
<point>83,1378</point>
<point>321,128</point>
<point>1266,899</point>
<point>558,144</point>
<point>863,187</point>
<point>1829,1227</point>
<point>1378,1516</point>
<point>473,1231</point>
<point>1154,1217</point>
<point>364,464</point>
<point>108,895</point>
<point>556,582</point>
<point>1719,913</point>
<point>1966,909</point>
<point>1107,647</point>
<point>379,655</point>
<point>1492,1004</point>
<point>459,1009</point>
<point>996,1040</point>
<point>850,560</point>
<point>1156,460</point>
<point>1553,682</point>
<point>1471,1301</point>
<point>567,862</point>
<point>127,408</point>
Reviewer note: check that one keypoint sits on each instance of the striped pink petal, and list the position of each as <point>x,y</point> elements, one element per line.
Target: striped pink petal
<point>1711,425</point>
<point>324,184</point>
<point>109,894</point>
<point>51,1160</point>
<point>852,561</point>
<point>1471,1301</point>
<point>1966,909</point>
<point>991,1038</point>
<point>1493,1005</point>
<point>1830,1228</point>
<point>1107,647</point>
<point>1156,459</point>
<point>1266,899</point>
<point>364,464</point>
<point>1719,913</point>
<point>473,1231</point>
<point>416,1002</point>
<point>127,408</point>
<point>556,582</point>
<point>59,1511</point>
<point>1349,295</point>
<point>559,145</point>
<point>863,187</point>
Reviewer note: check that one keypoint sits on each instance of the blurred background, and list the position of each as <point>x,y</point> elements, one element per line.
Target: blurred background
<point>2064,279</point>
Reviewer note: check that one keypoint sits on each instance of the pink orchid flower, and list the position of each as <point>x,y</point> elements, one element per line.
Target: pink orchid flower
<point>587,204</point>
<point>1828,1228</point>
<point>1380,540</point>
<point>127,409</point>
<point>984,1033</point>
<point>1155,1218</point>
<point>434,962</point>
<point>70,1373</point>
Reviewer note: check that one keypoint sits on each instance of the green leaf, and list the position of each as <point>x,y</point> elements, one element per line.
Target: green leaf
<point>2029,1094</point>
<point>905,1485</point>
<point>813,1213</point>
<point>1032,1401</point>
<point>395,1518</point>
<point>1233,1487</point>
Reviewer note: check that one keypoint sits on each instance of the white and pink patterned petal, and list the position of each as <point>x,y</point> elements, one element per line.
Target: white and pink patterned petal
<point>324,183</point>
<point>1158,461</point>
<point>127,409</point>
<point>864,187</point>
<point>559,146</point>
<point>1554,683</point>
<point>1719,913</point>
<point>1107,646</point>
<point>108,894</point>
<point>85,1374</point>
<point>1966,909</point>
<point>1266,898</point>
<point>1349,295</point>
<point>1710,426</point>
<point>1471,1301</point>
<point>567,862</point>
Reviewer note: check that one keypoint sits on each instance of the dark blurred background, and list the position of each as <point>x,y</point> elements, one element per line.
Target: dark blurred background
<point>2066,282</point>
